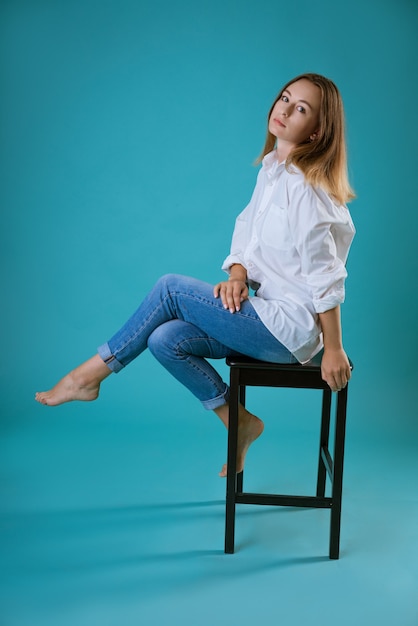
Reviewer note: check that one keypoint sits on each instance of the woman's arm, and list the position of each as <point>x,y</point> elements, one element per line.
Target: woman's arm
<point>234,290</point>
<point>335,366</point>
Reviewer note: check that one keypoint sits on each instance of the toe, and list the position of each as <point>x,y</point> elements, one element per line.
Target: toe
<point>223,471</point>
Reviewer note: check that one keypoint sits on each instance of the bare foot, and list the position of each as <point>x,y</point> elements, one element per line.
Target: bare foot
<point>250,428</point>
<point>83,384</point>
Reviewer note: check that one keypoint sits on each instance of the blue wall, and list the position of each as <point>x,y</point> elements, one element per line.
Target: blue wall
<point>128,132</point>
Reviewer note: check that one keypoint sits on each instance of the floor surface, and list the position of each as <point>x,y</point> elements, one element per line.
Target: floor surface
<point>113,519</point>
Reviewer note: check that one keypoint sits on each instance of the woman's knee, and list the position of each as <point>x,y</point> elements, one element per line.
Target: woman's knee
<point>163,339</point>
<point>170,281</point>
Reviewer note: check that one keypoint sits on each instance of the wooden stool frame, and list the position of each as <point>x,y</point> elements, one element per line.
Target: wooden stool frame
<point>244,372</point>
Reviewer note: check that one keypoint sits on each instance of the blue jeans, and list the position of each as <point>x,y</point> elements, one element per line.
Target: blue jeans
<point>182,323</point>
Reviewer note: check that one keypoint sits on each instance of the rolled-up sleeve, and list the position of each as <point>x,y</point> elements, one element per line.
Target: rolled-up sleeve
<point>241,232</point>
<point>311,219</point>
<point>238,243</point>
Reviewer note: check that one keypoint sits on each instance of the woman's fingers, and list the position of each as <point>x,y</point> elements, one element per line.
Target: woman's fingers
<point>336,369</point>
<point>231,296</point>
<point>232,293</point>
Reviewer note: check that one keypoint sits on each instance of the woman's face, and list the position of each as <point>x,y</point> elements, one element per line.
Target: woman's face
<point>295,116</point>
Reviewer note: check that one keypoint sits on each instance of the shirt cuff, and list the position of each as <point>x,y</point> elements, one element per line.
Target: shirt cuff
<point>328,303</point>
<point>231,260</point>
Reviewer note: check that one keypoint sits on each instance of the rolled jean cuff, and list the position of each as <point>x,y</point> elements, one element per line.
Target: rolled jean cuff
<point>111,361</point>
<point>215,403</point>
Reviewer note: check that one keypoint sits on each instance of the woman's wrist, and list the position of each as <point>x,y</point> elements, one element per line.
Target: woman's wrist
<point>238,272</point>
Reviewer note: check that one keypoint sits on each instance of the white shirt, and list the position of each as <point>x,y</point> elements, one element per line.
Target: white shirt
<point>293,240</point>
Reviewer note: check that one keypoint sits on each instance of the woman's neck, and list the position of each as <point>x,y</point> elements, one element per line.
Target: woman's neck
<point>283,149</point>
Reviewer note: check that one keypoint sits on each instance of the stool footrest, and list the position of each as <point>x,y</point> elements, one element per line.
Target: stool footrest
<point>315,502</point>
<point>327,461</point>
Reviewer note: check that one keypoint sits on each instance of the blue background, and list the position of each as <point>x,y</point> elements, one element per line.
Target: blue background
<point>128,134</point>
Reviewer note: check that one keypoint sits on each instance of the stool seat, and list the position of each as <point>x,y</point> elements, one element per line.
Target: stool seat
<point>246,371</point>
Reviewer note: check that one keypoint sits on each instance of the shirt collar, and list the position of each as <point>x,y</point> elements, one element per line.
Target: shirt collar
<point>271,165</point>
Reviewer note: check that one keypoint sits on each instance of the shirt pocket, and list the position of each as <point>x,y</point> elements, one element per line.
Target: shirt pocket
<point>275,230</point>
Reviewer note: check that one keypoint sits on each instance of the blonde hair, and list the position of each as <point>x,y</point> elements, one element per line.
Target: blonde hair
<point>323,161</point>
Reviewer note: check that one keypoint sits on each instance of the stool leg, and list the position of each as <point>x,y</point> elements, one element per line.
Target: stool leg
<point>231,477</point>
<point>337,479</point>
<point>240,476</point>
<point>240,482</point>
<point>323,442</point>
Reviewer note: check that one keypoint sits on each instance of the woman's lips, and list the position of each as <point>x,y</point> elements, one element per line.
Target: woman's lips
<point>279,123</point>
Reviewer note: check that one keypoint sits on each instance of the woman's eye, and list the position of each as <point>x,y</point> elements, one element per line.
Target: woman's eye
<point>285,99</point>
<point>301,109</point>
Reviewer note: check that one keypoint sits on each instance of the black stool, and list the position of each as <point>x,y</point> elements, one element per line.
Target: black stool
<point>244,372</point>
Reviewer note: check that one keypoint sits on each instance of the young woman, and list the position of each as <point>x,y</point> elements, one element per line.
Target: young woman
<point>289,246</point>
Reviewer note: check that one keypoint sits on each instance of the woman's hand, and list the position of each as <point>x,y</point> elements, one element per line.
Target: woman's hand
<point>232,292</point>
<point>335,366</point>
<point>335,369</point>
